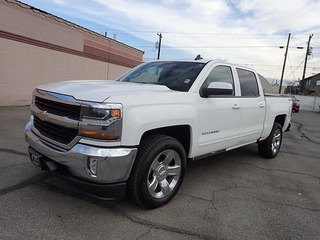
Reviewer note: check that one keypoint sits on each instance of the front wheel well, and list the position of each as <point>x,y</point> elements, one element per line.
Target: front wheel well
<point>182,133</point>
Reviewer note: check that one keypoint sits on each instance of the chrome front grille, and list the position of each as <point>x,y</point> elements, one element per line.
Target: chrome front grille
<point>58,108</point>
<point>55,132</point>
<point>56,118</point>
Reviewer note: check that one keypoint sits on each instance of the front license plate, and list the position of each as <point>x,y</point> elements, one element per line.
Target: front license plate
<point>36,158</point>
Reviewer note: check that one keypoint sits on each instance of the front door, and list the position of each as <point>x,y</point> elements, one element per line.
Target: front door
<point>219,116</point>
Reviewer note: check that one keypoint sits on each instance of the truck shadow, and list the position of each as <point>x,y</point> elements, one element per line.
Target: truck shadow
<point>198,174</point>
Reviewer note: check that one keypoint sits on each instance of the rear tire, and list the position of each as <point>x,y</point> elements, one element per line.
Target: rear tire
<point>270,147</point>
<point>158,171</point>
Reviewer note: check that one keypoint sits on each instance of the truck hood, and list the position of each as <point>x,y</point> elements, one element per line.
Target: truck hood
<point>100,90</point>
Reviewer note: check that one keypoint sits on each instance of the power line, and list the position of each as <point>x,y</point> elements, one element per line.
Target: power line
<point>297,45</point>
<point>197,33</point>
<point>296,69</point>
<point>182,47</point>
<point>292,72</point>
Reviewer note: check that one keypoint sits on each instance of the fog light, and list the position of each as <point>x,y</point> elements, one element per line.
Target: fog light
<point>93,164</point>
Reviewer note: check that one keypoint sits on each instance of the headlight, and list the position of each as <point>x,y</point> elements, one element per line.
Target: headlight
<point>100,116</point>
<point>102,121</point>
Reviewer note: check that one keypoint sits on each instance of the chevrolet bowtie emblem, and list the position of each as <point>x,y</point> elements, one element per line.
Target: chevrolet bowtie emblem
<point>43,115</point>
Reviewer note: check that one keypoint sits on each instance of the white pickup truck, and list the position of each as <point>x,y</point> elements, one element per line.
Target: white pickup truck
<point>135,135</point>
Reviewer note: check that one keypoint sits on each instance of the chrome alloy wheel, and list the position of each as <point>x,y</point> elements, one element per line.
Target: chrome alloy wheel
<point>164,174</point>
<point>276,141</point>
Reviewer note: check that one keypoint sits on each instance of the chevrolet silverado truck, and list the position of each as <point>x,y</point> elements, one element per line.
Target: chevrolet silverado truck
<point>134,136</point>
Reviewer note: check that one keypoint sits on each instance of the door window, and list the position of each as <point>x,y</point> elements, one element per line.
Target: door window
<point>248,83</point>
<point>220,74</point>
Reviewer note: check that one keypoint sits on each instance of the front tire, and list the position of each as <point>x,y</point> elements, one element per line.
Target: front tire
<point>270,147</point>
<point>158,171</point>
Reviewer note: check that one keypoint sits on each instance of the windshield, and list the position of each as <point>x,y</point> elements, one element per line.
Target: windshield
<point>175,75</point>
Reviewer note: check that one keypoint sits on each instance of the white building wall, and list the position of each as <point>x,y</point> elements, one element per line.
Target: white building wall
<point>309,103</point>
<point>23,67</point>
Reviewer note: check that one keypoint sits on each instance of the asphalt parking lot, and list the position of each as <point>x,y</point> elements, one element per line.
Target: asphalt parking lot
<point>235,195</point>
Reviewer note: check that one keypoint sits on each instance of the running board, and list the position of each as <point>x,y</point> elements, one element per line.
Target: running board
<point>210,154</point>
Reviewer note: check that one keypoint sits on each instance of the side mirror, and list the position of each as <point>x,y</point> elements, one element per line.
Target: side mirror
<point>218,88</point>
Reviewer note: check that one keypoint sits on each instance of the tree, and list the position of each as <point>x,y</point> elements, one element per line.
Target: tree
<point>293,87</point>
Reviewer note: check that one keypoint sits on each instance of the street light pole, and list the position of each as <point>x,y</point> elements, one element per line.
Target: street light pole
<point>305,64</point>
<point>159,47</point>
<point>284,63</point>
<point>306,59</point>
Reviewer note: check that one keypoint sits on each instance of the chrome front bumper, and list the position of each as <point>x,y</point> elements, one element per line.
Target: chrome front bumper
<point>113,164</point>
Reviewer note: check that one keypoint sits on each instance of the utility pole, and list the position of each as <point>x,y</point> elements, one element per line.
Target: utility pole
<point>306,59</point>
<point>284,63</point>
<point>159,47</point>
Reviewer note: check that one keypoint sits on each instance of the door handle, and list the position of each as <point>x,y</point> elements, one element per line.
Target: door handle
<point>261,105</point>
<point>236,106</point>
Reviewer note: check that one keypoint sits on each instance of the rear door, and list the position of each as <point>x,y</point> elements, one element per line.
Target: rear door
<point>252,105</point>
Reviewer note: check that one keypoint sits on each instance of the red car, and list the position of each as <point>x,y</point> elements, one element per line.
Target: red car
<point>295,104</point>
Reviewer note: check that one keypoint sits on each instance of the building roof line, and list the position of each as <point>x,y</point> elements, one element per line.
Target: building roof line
<point>68,23</point>
<point>308,78</point>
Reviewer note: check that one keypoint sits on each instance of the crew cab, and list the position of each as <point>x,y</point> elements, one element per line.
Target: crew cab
<point>135,135</point>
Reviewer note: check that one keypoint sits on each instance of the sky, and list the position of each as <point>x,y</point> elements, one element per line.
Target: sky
<point>245,32</point>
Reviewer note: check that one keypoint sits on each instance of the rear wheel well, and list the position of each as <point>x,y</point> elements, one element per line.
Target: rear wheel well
<point>182,133</point>
<point>280,119</point>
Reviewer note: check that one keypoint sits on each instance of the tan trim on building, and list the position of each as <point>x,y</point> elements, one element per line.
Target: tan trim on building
<point>109,58</point>
<point>103,47</point>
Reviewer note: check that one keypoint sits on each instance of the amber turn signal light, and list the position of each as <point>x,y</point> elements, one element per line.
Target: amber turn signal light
<point>115,113</point>
<point>98,135</point>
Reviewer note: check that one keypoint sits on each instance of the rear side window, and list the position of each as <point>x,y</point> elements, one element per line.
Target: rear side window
<point>248,83</point>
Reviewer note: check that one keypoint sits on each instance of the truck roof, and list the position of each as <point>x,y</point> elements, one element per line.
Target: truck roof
<point>202,61</point>
<point>183,60</point>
